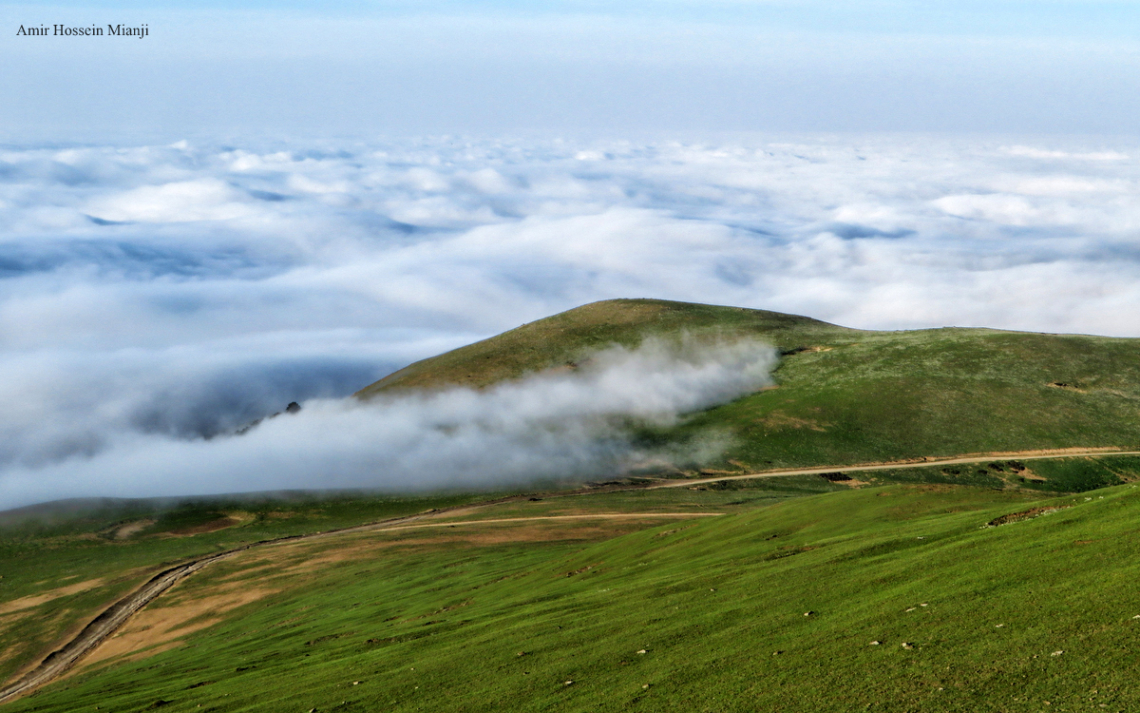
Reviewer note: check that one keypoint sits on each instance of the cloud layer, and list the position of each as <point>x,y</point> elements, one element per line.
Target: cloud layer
<point>169,293</point>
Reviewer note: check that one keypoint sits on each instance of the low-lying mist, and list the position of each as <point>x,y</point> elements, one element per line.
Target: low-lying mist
<point>562,425</point>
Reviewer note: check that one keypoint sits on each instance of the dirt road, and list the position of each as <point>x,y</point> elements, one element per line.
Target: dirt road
<point>924,463</point>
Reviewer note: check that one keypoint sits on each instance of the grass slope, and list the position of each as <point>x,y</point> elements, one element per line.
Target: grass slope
<point>1033,615</point>
<point>845,395</point>
<point>59,566</point>
<point>62,564</point>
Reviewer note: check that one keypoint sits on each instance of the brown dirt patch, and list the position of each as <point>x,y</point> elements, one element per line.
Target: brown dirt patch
<point>1025,515</point>
<point>1066,386</point>
<point>1028,474</point>
<point>36,600</point>
<point>123,532</point>
<point>154,630</point>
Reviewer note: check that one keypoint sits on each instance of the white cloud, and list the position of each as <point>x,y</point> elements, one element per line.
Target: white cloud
<point>182,201</point>
<point>164,291</point>
<point>1042,153</point>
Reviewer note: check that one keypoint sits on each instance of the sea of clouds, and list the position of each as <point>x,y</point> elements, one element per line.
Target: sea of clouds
<point>155,298</point>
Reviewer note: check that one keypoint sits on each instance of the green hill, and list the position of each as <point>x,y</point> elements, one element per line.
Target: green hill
<point>845,395</point>
<point>569,337</point>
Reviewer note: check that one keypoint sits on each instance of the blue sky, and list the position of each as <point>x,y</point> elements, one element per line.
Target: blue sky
<point>1021,17</point>
<point>492,67</point>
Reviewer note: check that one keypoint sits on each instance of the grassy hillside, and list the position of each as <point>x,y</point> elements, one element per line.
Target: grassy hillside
<point>716,614</point>
<point>846,395</point>
<point>61,565</point>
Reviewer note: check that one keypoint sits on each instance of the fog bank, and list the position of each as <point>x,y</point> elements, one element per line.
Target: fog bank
<point>561,425</point>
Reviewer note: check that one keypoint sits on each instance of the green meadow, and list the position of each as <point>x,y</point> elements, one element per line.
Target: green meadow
<point>763,608</point>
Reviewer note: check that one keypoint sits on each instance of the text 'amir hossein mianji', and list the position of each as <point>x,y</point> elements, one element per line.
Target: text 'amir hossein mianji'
<point>92,31</point>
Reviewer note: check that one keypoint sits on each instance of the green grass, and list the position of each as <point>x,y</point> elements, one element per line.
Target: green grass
<point>56,547</point>
<point>718,605</point>
<point>939,392</point>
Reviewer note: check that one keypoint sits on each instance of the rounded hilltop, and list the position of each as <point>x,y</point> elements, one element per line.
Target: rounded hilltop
<point>564,339</point>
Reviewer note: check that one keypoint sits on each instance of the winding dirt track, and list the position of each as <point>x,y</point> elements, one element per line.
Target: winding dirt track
<point>923,463</point>
<point>113,618</point>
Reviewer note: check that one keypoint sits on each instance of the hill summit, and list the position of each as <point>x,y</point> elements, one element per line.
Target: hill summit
<point>566,338</point>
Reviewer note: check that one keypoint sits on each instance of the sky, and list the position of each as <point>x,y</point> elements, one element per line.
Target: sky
<point>587,68</point>
<point>263,203</point>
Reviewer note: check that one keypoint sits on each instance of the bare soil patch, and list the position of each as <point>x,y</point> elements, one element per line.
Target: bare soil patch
<point>1028,474</point>
<point>1025,515</point>
<point>36,600</point>
<point>123,532</point>
<point>1066,386</point>
<point>154,630</point>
